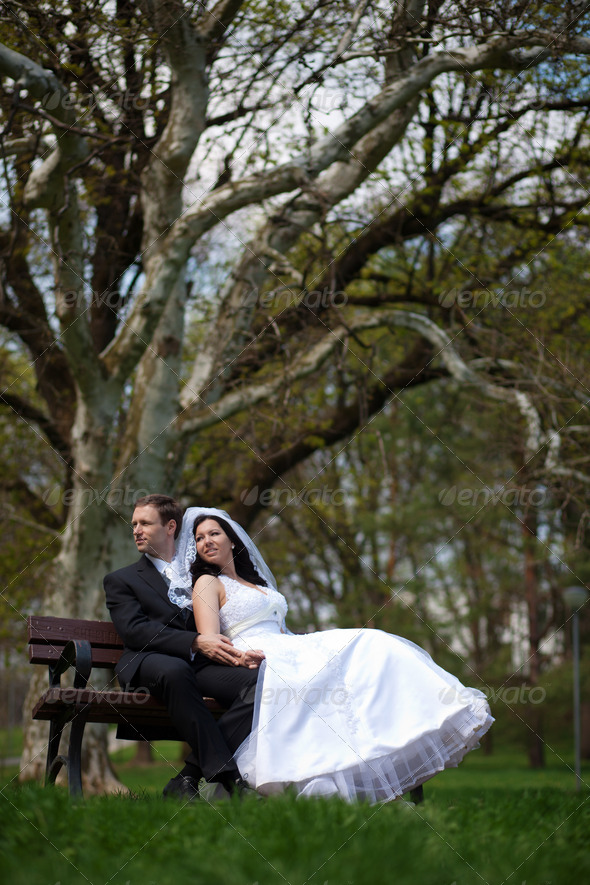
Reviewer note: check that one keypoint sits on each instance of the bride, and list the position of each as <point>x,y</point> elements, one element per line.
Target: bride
<point>357,712</point>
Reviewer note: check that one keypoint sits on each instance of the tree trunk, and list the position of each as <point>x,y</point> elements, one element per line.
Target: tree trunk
<point>93,544</point>
<point>534,714</point>
<point>144,753</point>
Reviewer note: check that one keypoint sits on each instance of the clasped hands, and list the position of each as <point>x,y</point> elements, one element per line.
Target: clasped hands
<point>220,649</point>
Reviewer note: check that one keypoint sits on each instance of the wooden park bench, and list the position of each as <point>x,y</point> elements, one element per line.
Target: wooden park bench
<point>64,643</point>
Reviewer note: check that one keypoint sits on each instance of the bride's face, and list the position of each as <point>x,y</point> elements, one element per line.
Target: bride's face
<point>213,545</point>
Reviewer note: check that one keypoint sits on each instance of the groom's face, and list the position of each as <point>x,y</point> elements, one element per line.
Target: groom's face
<point>151,535</point>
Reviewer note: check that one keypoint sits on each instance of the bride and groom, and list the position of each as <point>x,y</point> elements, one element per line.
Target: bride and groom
<point>356,713</point>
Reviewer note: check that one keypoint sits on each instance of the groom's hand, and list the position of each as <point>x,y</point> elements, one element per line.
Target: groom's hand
<point>218,648</point>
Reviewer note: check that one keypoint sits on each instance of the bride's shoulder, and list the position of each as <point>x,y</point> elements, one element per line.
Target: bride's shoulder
<point>207,584</point>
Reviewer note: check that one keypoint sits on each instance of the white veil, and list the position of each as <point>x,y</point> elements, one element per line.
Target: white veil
<point>181,584</point>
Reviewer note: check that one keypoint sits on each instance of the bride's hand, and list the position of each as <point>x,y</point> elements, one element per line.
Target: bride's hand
<point>218,648</point>
<point>252,658</point>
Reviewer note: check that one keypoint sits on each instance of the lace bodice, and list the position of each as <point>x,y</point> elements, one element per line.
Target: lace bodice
<point>246,604</point>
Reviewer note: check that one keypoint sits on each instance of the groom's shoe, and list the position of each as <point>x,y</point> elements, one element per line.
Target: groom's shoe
<point>183,787</point>
<point>240,788</point>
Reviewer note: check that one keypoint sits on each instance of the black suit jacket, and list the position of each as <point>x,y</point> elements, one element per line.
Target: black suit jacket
<point>145,619</point>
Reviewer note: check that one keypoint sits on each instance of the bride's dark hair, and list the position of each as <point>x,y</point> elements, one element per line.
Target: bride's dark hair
<point>244,565</point>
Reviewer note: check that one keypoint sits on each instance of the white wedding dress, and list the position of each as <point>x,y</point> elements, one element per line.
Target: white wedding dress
<point>356,713</point>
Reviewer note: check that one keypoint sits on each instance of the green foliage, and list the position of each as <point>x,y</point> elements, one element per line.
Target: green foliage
<point>29,472</point>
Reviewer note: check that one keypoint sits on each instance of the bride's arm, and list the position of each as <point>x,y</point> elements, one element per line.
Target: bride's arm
<point>210,641</point>
<point>207,602</point>
<point>208,596</point>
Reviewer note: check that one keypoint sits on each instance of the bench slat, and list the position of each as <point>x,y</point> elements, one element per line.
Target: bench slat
<point>48,654</point>
<point>57,631</point>
<point>48,635</point>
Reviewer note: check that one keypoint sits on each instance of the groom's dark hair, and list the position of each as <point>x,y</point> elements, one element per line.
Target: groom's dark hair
<point>245,568</point>
<point>167,507</point>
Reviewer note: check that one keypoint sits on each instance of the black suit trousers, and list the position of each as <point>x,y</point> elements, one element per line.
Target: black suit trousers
<point>181,685</point>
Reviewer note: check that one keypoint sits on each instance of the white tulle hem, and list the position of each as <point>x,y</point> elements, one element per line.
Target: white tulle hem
<point>386,778</point>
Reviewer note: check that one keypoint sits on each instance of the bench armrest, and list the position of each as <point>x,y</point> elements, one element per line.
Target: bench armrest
<point>76,653</point>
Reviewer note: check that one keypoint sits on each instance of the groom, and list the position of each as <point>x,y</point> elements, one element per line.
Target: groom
<point>164,653</point>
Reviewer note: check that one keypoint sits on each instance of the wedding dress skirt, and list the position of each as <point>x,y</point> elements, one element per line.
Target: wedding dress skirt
<point>359,713</point>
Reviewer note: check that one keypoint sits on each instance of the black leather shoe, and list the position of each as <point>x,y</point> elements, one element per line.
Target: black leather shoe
<point>182,787</point>
<point>240,788</point>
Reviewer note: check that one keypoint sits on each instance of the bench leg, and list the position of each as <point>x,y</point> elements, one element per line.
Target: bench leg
<point>417,795</point>
<point>73,761</point>
<point>54,760</point>
<point>75,754</point>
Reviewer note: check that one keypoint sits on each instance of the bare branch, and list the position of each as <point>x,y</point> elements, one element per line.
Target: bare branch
<point>207,212</point>
<point>338,145</point>
<point>216,21</point>
<point>32,415</point>
<point>45,184</point>
<point>310,361</point>
<point>351,30</point>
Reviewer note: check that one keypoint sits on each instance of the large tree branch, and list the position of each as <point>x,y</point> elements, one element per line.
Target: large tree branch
<point>29,322</point>
<point>45,185</point>
<point>49,187</point>
<point>30,414</point>
<point>215,22</point>
<point>464,374</point>
<point>46,519</point>
<point>310,361</point>
<point>239,299</point>
<point>24,313</point>
<point>334,425</point>
<point>207,212</point>
<point>424,215</point>
<point>162,178</point>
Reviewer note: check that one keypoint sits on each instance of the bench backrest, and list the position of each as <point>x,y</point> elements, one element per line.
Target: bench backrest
<point>47,637</point>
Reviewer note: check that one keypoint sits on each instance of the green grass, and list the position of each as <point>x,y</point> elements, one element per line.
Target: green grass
<point>11,742</point>
<point>492,821</point>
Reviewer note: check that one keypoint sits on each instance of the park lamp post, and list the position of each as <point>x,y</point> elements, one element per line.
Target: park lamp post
<point>574,598</point>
